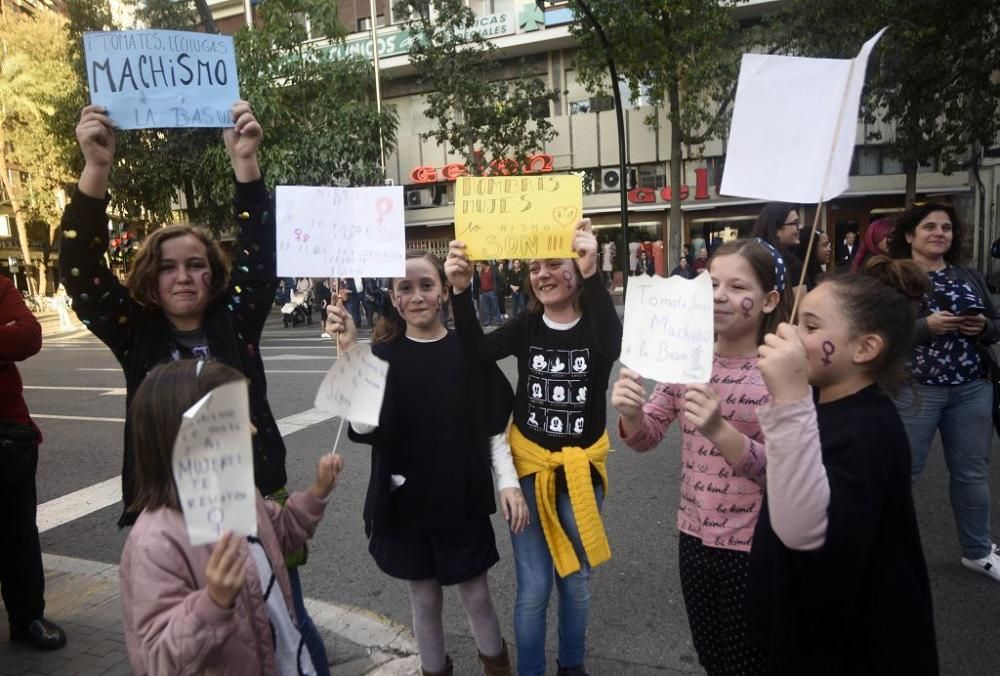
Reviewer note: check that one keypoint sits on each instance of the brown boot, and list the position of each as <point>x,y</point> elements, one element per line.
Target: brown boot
<point>447,671</point>
<point>498,665</point>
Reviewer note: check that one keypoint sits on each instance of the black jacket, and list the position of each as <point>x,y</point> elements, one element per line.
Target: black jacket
<point>141,338</point>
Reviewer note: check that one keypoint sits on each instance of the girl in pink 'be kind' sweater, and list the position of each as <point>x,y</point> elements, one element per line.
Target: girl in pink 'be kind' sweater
<point>722,457</point>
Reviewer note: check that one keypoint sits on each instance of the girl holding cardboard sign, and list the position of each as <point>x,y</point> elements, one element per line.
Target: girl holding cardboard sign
<point>565,344</point>
<point>208,609</point>
<point>722,471</point>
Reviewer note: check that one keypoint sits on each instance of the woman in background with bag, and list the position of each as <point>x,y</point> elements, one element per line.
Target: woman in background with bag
<point>952,367</point>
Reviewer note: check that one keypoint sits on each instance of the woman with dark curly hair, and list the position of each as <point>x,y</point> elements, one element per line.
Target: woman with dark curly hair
<point>950,367</point>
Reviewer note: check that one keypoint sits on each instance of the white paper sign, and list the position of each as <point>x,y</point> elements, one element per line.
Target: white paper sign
<point>151,79</point>
<point>340,232</point>
<point>669,328</point>
<point>354,386</point>
<point>794,126</point>
<point>213,465</point>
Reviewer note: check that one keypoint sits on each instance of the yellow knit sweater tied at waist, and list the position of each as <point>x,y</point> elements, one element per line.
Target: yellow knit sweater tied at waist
<point>530,458</point>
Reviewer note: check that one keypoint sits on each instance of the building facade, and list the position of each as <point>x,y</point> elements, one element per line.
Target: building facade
<point>537,41</point>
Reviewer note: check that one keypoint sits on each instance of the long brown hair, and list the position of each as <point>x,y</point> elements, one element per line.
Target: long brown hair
<point>143,281</point>
<point>391,325</point>
<point>155,418</point>
<point>763,265</point>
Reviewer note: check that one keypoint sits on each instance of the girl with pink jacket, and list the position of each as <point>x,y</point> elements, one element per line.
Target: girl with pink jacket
<point>208,609</point>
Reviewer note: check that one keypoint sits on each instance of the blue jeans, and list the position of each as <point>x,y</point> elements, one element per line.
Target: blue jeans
<point>518,300</point>
<point>314,642</point>
<point>491,311</point>
<point>535,574</point>
<point>963,414</point>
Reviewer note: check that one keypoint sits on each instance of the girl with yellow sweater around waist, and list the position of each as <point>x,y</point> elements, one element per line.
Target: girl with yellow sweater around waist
<point>565,344</point>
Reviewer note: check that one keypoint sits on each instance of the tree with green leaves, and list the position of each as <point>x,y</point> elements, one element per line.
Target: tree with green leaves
<point>33,68</point>
<point>318,112</point>
<point>682,55</point>
<point>932,80</point>
<point>492,118</point>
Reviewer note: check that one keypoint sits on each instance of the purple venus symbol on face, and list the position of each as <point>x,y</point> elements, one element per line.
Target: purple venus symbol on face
<point>828,350</point>
<point>747,305</point>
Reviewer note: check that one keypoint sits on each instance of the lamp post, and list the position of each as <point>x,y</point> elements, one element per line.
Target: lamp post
<point>620,119</point>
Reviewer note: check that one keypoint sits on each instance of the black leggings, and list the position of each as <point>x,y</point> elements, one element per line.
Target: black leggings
<point>714,584</point>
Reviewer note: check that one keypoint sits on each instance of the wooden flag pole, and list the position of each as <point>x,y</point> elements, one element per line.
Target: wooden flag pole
<point>805,265</point>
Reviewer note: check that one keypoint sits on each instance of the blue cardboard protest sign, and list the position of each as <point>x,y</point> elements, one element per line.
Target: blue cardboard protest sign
<point>158,78</point>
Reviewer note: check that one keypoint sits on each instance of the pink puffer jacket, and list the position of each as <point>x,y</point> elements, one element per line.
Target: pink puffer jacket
<point>171,624</point>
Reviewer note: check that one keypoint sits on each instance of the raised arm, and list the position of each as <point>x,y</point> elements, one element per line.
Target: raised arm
<point>254,275</point>
<point>500,343</point>
<point>99,299</point>
<point>642,423</point>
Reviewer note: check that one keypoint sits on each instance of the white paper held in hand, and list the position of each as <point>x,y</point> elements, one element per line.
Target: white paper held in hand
<point>213,465</point>
<point>340,232</point>
<point>354,386</point>
<point>669,328</point>
<point>794,126</point>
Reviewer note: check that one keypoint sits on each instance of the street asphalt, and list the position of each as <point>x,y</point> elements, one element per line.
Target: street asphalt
<point>637,623</point>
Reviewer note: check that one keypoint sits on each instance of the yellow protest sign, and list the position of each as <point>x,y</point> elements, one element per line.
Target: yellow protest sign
<point>518,216</point>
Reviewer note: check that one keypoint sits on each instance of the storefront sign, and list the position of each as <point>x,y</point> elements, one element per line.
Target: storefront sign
<point>649,195</point>
<point>400,42</point>
<point>539,163</point>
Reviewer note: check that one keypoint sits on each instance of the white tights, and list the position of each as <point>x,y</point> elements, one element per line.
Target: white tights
<point>427,600</point>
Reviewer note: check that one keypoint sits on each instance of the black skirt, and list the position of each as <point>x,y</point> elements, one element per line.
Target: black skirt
<point>448,555</point>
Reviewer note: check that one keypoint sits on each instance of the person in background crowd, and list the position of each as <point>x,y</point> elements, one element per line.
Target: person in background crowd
<point>643,266</point>
<point>282,294</point>
<point>22,580</point>
<point>874,242</point>
<point>515,282</point>
<point>61,302</point>
<point>951,366</point>
<point>349,292</point>
<point>503,290</point>
<point>701,261</point>
<point>608,254</point>
<point>323,296</point>
<point>778,224</point>
<point>849,248</point>
<point>686,253</point>
<point>490,315</point>
<point>682,269</point>
<point>371,299</point>
<point>819,258</point>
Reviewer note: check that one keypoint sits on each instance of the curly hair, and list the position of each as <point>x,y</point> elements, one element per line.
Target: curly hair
<point>143,280</point>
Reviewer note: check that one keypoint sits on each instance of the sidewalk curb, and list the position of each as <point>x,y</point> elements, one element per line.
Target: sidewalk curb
<point>91,589</point>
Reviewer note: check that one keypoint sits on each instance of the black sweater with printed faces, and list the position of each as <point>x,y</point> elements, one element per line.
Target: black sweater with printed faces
<point>561,395</point>
<point>861,604</point>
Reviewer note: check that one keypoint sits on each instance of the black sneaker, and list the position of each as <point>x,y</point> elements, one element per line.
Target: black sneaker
<point>41,634</point>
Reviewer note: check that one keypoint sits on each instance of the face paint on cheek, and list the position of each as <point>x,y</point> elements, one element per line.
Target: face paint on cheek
<point>206,279</point>
<point>569,278</point>
<point>747,305</point>
<point>828,349</point>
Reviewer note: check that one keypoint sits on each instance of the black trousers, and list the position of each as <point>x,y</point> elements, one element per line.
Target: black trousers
<point>22,580</point>
<point>714,584</point>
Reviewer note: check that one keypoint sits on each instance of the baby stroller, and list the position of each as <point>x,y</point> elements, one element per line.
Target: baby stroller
<point>297,310</point>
